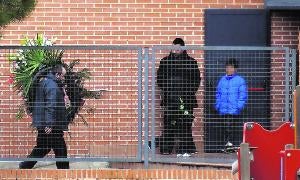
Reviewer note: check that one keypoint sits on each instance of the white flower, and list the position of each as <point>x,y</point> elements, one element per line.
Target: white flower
<point>20,51</point>
<point>181,107</point>
<point>30,43</point>
<point>53,40</point>
<point>48,43</point>
<point>16,66</point>
<point>22,57</point>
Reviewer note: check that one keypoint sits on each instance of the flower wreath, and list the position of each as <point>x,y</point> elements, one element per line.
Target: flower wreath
<point>30,64</point>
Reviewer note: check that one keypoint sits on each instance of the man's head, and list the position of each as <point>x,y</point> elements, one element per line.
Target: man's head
<point>231,66</point>
<point>59,71</point>
<point>178,42</point>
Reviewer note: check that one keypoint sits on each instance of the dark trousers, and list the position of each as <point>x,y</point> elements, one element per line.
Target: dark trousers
<point>223,129</point>
<point>44,144</point>
<point>177,126</point>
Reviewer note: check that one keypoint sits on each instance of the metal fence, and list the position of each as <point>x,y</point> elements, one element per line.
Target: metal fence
<point>127,123</point>
<point>108,128</point>
<point>269,75</point>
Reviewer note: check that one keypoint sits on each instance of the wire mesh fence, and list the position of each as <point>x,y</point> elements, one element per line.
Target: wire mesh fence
<point>103,84</point>
<point>238,85</point>
<point>177,101</point>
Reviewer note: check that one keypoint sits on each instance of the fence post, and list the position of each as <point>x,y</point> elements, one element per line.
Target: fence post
<point>286,73</point>
<point>153,55</point>
<point>296,98</point>
<point>293,79</point>
<point>146,133</point>
<point>140,103</point>
<point>245,161</point>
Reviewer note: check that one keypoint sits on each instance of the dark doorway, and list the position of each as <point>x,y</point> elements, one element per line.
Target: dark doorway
<point>236,27</point>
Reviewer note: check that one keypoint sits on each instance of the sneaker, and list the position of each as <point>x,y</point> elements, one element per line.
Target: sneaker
<point>165,153</point>
<point>186,155</point>
<point>179,155</point>
<point>228,144</point>
<point>194,152</point>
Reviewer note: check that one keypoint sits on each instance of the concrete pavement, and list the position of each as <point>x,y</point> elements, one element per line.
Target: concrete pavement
<point>51,165</point>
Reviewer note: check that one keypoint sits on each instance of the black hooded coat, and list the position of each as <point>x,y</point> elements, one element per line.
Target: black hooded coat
<point>178,76</point>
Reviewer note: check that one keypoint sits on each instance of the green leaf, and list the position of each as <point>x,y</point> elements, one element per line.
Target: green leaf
<point>84,73</point>
<point>73,63</point>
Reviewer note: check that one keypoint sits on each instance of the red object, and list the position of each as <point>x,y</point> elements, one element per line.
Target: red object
<point>256,89</point>
<point>10,80</point>
<point>290,164</point>
<point>269,143</point>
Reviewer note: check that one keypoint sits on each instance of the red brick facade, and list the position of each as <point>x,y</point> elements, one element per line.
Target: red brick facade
<point>117,174</point>
<point>122,22</point>
<point>134,22</point>
<point>285,27</point>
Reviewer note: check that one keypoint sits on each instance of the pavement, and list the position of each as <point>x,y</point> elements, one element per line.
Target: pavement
<point>51,165</point>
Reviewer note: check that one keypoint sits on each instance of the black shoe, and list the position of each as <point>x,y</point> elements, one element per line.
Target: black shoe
<point>21,165</point>
<point>24,165</point>
<point>62,164</point>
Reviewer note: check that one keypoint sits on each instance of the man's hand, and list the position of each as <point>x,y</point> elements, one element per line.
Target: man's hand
<point>48,130</point>
<point>67,101</point>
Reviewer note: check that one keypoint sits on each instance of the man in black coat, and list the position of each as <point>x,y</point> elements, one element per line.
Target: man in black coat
<point>48,117</point>
<point>178,77</point>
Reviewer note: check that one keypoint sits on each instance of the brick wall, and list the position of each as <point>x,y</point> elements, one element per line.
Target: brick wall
<point>141,22</point>
<point>109,22</point>
<point>117,174</point>
<point>285,27</point>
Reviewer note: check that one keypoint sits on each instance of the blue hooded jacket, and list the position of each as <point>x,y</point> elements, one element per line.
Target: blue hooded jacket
<point>231,95</point>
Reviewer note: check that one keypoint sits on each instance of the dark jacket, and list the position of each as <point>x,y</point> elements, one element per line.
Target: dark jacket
<point>231,95</point>
<point>49,106</point>
<point>179,76</point>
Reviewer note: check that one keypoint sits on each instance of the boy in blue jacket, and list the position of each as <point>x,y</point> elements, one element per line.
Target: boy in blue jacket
<point>231,97</point>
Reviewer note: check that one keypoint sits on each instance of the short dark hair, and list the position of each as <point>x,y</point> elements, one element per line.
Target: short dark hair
<point>178,41</point>
<point>232,62</point>
<point>57,69</point>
